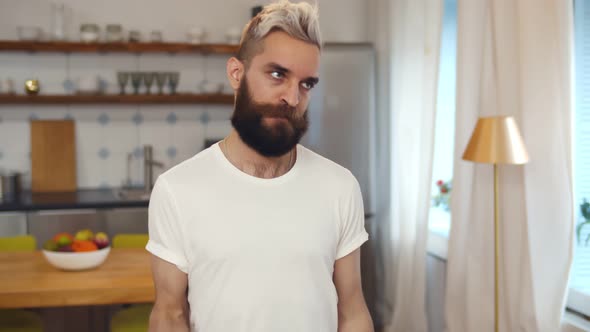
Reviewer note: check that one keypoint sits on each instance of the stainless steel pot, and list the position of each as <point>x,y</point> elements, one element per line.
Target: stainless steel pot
<point>10,186</point>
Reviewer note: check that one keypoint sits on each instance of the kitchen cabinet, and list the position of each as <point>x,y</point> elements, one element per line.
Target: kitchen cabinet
<point>128,220</point>
<point>13,224</point>
<point>45,224</point>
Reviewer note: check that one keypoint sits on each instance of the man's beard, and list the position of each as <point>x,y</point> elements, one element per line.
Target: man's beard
<point>269,141</point>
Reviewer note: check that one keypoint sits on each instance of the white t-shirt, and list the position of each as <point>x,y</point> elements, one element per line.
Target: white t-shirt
<point>259,253</point>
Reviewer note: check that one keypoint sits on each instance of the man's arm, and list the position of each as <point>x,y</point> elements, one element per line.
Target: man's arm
<point>171,311</point>
<point>353,314</point>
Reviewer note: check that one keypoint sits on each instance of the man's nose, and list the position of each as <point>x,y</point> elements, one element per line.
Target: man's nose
<point>291,94</point>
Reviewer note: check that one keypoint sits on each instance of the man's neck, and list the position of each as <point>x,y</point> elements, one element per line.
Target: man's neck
<point>253,163</point>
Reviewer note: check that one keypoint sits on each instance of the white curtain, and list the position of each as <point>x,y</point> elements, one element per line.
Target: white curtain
<point>513,58</point>
<point>416,32</point>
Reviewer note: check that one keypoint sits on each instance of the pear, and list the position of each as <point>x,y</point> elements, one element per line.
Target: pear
<point>50,245</point>
<point>84,235</point>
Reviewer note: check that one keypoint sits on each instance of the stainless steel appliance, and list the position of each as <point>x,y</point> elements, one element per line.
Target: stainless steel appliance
<point>10,186</point>
<point>342,117</point>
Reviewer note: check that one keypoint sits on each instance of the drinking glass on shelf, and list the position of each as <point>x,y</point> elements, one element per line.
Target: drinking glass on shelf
<point>160,81</point>
<point>156,36</point>
<point>122,79</point>
<point>59,15</point>
<point>148,79</point>
<point>136,78</point>
<point>173,79</point>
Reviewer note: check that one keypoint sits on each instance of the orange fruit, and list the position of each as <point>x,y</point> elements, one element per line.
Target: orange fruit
<point>83,245</point>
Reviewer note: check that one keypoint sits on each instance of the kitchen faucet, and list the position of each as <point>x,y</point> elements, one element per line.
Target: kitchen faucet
<point>148,164</point>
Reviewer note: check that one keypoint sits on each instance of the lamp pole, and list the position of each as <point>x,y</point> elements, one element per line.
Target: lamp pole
<point>496,249</point>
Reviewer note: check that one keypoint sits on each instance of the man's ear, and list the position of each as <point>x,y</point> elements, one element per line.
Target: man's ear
<point>235,72</point>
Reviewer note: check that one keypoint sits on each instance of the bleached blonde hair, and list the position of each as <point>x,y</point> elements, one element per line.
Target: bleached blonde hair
<point>298,20</point>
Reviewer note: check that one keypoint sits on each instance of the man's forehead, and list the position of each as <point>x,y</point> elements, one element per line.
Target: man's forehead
<point>290,53</point>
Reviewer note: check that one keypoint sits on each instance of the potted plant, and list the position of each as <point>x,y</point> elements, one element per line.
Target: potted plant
<point>585,211</point>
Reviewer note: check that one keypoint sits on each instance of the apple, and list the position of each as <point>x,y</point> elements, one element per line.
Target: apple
<point>66,248</point>
<point>66,234</point>
<point>101,240</point>
<point>63,239</point>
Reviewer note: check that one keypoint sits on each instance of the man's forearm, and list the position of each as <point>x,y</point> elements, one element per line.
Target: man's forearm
<point>168,320</point>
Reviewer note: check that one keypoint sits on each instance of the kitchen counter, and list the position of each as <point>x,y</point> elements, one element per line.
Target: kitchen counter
<point>81,199</point>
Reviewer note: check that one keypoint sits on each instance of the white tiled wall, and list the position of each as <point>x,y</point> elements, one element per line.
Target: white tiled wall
<point>341,20</point>
<point>106,134</point>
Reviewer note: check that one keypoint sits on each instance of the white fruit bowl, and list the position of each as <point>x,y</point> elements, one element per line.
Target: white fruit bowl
<point>75,261</point>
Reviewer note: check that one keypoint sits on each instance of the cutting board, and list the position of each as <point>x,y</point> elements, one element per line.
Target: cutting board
<point>53,156</point>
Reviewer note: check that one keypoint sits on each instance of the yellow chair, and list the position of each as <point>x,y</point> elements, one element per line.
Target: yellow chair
<point>130,240</point>
<point>136,317</point>
<point>16,320</point>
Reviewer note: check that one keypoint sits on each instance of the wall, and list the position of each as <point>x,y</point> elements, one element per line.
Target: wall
<point>107,134</point>
<point>341,20</point>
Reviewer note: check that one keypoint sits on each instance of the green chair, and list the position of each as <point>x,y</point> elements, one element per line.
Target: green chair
<point>17,320</point>
<point>134,318</point>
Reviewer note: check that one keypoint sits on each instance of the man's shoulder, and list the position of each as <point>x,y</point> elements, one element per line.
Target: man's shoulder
<point>326,168</point>
<point>193,167</point>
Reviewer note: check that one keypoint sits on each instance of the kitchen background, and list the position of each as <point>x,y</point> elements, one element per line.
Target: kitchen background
<point>107,134</point>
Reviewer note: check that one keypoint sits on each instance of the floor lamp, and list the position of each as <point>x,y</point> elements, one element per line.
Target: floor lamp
<point>496,140</point>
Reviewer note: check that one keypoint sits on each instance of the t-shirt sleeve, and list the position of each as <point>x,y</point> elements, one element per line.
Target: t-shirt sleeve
<point>352,221</point>
<point>165,228</point>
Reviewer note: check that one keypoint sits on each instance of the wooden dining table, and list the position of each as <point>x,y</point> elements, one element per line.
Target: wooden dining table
<point>27,280</point>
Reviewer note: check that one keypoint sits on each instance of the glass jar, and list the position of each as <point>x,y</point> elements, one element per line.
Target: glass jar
<point>114,33</point>
<point>89,32</point>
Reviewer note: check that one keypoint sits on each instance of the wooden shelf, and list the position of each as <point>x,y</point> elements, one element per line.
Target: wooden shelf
<point>79,47</point>
<point>179,98</point>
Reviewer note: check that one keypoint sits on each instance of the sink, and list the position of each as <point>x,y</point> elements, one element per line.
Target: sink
<point>133,194</point>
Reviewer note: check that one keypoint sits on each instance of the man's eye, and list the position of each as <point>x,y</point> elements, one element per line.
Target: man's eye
<point>307,85</point>
<point>276,74</point>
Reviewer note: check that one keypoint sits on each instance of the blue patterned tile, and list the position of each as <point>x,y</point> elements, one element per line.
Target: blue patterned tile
<point>33,117</point>
<point>69,85</point>
<point>204,118</point>
<point>104,185</point>
<point>102,84</point>
<point>104,119</point>
<point>137,119</point>
<point>68,116</point>
<point>171,152</point>
<point>104,153</point>
<point>171,118</point>
<point>138,152</point>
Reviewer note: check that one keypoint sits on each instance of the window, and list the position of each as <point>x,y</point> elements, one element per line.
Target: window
<point>579,296</point>
<point>444,136</point>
